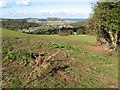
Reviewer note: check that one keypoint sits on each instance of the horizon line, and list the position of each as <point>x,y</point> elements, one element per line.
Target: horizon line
<point>44,18</point>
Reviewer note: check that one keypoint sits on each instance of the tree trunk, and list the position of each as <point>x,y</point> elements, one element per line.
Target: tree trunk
<point>118,40</point>
<point>113,37</point>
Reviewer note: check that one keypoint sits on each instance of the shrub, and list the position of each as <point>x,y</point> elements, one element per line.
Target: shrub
<point>21,55</point>
<point>47,33</point>
<point>80,31</point>
<point>63,34</point>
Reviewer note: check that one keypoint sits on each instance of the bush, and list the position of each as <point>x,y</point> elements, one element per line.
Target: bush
<point>80,31</point>
<point>70,32</point>
<point>63,34</point>
<point>47,33</point>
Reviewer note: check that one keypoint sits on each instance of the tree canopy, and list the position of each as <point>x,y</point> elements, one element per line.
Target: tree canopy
<point>105,21</point>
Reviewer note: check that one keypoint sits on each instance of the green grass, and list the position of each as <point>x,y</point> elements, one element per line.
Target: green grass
<point>6,33</point>
<point>87,69</point>
<point>84,38</point>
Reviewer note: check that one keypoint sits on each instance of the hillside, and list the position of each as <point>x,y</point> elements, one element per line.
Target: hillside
<point>47,20</point>
<point>47,26</point>
<point>36,25</point>
<point>68,61</point>
<point>6,33</point>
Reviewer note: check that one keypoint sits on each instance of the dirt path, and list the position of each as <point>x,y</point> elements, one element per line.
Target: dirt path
<point>102,49</point>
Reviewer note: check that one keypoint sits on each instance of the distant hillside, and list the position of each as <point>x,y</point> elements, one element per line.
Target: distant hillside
<point>30,23</point>
<point>83,22</point>
<point>46,26</point>
<point>17,24</point>
<point>47,20</point>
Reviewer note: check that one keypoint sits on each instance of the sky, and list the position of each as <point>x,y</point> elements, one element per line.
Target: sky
<point>45,8</point>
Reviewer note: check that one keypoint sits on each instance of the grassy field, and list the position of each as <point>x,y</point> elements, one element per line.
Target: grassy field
<point>78,64</point>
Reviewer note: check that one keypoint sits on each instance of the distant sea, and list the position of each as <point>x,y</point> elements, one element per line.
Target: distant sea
<point>75,19</point>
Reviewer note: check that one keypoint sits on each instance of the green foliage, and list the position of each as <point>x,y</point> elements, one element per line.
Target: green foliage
<point>17,24</point>
<point>38,45</point>
<point>69,47</point>
<point>82,27</point>
<point>107,14</point>
<point>21,55</point>
<point>11,55</point>
<point>15,83</point>
<point>105,22</point>
<point>80,31</point>
<point>62,46</point>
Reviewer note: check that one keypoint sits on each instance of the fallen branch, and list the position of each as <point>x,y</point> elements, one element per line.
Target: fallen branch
<point>43,64</point>
<point>30,76</point>
<point>53,55</point>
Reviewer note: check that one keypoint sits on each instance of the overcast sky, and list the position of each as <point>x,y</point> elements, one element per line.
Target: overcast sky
<point>45,8</point>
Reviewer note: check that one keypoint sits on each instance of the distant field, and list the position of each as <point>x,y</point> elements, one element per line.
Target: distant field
<point>78,64</point>
<point>85,38</point>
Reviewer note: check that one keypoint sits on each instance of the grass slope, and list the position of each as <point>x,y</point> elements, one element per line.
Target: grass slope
<point>6,33</point>
<point>76,66</point>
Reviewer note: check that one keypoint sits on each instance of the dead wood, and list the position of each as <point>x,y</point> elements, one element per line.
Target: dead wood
<point>53,55</point>
<point>40,64</point>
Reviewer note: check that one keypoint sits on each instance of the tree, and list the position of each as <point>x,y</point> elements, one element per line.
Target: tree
<point>106,22</point>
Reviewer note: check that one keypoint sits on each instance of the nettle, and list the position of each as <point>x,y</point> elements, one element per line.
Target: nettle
<point>21,55</point>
